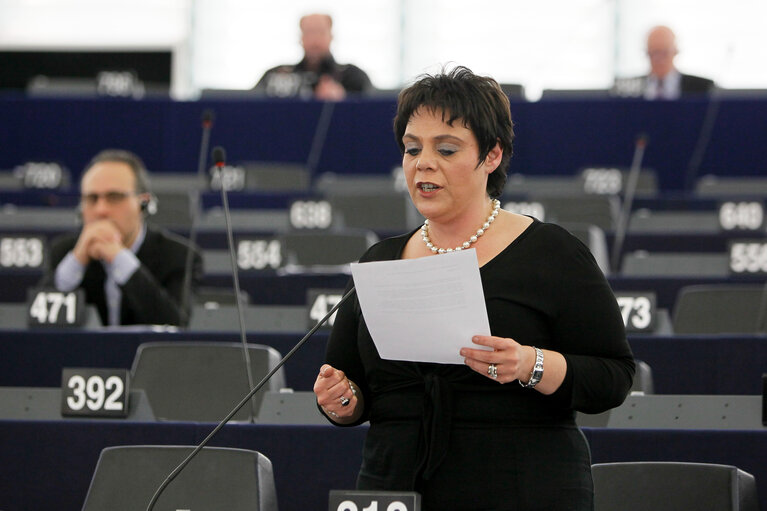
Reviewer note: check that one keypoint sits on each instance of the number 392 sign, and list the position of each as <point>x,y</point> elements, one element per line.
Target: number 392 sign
<point>89,392</point>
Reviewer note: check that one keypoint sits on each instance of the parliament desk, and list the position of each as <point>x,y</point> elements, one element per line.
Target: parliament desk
<point>47,465</point>
<point>554,136</point>
<point>682,364</point>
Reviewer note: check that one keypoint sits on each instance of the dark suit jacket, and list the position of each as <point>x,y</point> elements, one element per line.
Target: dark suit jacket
<point>635,87</point>
<point>691,84</point>
<point>353,79</point>
<point>153,294</point>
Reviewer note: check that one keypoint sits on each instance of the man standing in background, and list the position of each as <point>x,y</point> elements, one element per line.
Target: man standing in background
<point>664,80</point>
<point>318,75</point>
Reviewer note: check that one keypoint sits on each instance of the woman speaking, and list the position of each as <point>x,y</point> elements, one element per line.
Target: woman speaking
<point>499,432</point>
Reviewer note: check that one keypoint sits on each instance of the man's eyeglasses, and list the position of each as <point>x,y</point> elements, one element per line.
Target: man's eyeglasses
<point>112,198</point>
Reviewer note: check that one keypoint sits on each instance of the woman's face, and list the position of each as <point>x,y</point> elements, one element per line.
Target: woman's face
<point>440,164</point>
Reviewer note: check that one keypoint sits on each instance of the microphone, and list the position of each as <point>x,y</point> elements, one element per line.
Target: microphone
<point>707,127</point>
<point>320,134</point>
<point>194,208</point>
<point>704,137</point>
<point>219,159</point>
<point>176,471</point>
<point>628,200</point>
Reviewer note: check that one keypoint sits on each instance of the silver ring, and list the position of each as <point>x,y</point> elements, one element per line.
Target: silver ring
<point>344,401</point>
<point>492,371</point>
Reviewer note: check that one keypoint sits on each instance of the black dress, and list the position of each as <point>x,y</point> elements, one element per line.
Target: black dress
<point>466,442</point>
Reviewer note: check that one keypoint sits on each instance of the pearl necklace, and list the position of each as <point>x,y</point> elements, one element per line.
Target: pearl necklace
<point>466,244</point>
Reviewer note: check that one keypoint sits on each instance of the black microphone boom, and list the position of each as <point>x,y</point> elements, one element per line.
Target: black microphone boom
<point>628,200</point>
<point>219,159</point>
<point>194,209</point>
<point>176,471</point>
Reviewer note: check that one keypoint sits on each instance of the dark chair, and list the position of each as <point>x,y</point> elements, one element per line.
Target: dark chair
<point>127,477</point>
<point>594,238</point>
<point>268,176</point>
<point>202,381</point>
<point>642,384</point>
<point>667,486</point>
<point>643,380</point>
<point>731,186</point>
<point>381,211</point>
<point>215,317</point>
<point>675,264</point>
<point>719,309</point>
<point>211,297</point>
<point>599,210</point>
<point>325,248</point>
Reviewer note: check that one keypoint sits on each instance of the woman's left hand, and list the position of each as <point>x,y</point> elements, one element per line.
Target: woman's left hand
<point>508,360</point>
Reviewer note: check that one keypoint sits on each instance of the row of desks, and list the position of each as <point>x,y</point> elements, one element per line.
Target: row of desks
<point>48,464</point>
<point>721,365</point>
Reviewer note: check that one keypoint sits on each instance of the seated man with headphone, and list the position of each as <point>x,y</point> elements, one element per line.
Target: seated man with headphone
<point>133,272</point>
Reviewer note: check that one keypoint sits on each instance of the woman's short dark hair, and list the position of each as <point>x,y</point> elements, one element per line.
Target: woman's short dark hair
<point>477,101</point>
<point>130,159</point>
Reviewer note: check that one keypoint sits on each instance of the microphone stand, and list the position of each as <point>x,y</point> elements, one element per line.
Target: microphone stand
<point>244,400</point>
<point>194,209</point>
<point>219,157</point>
<point>628,200</point>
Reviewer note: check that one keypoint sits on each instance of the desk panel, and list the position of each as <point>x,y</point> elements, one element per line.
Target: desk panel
<point>681,364</point>
<point>558,136</point>
<point>48,465</point>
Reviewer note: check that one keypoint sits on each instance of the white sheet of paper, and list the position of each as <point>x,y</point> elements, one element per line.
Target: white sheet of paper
<point>423,309</point>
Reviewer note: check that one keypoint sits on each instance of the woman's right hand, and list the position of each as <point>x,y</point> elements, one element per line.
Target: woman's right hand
<point>337,395</point>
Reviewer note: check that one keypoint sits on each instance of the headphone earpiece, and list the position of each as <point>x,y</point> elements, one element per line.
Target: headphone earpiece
<point>149,206</point>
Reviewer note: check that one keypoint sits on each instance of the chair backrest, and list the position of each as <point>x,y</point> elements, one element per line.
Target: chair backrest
<point>718,309</point>
<point>323,248</point>
<point>599,210</point>
<point>127,477</point>
<point>208,295</point>
<point>643,380</point>
<point>660,486</point>
<point>594,238</point>
<point>646,221</point>
<point>731,186</point>
<point>202,381</point>
<point>173,210</point>
<point>290,408</point>
<point>675,264</point>
<point>274,176</point>
<point>381,211</point>
<point>257,318</point>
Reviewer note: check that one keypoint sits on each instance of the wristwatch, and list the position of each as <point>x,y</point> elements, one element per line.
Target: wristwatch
<point>537,373</point>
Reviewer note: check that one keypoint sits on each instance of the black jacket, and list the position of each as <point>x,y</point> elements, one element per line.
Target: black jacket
<point>153,294</point>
